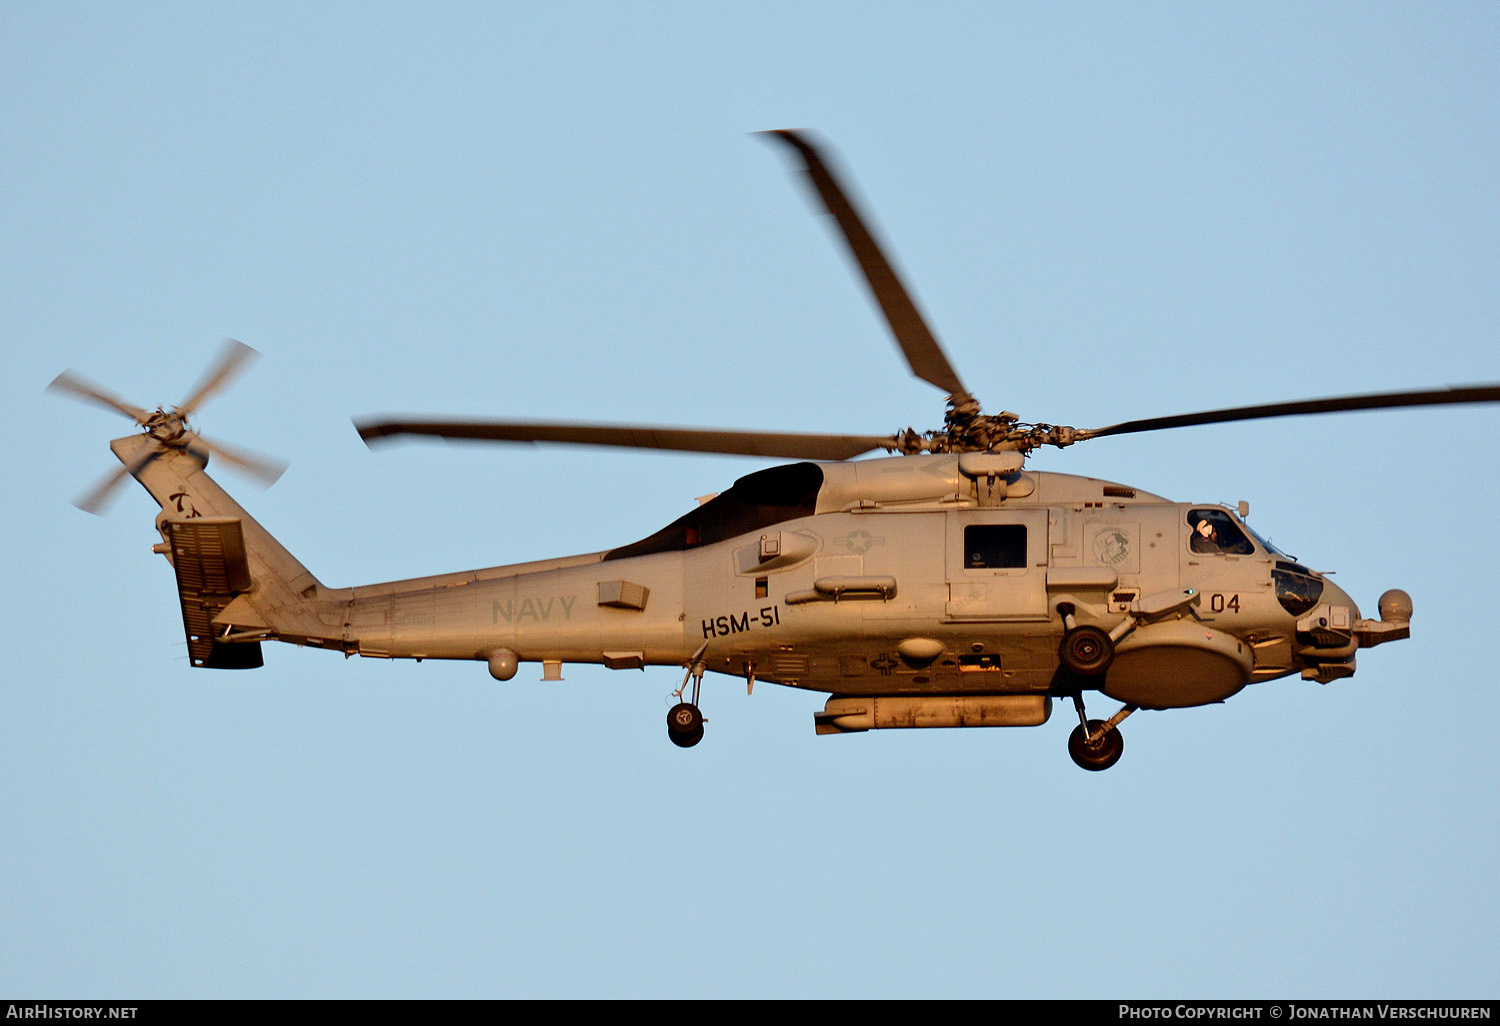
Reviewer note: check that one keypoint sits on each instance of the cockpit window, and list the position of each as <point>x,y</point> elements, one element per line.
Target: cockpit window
<point>755,501</point>
<point>1297,588</point>
<point>1215,532</point>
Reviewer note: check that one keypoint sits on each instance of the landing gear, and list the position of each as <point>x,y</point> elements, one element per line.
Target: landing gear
<point>685,724</point>
<point>1096,744</point>
<point>1096,755</point>
<point>1086,651</point>
<point>685,719</point>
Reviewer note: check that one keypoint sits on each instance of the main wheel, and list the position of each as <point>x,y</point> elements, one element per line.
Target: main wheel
<point>1100,755</point>
<point>685,724</point>
<point>1086,651</point>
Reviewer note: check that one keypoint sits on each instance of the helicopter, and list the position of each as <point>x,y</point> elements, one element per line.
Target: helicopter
<point>942,584</point>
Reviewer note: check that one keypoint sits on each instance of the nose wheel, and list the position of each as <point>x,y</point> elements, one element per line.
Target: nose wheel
<point>1097,744</point>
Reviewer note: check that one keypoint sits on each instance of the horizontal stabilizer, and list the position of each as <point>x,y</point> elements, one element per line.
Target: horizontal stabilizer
<point>208,556</point>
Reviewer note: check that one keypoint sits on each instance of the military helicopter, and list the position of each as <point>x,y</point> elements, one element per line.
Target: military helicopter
<point>945,585</point>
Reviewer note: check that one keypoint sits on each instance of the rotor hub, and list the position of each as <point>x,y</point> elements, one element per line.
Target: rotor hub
<point>967,429</point>
<point>169,427</point>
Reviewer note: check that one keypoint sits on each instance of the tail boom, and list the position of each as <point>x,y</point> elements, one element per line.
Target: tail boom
<point>239,586</point>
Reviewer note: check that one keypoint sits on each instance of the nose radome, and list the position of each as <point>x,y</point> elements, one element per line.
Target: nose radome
<point>1395,606</point>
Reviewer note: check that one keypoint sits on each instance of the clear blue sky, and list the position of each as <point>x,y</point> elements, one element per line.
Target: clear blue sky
<point>555,211</point>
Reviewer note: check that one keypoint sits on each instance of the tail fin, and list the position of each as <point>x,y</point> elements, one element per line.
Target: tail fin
<point>238,585</point>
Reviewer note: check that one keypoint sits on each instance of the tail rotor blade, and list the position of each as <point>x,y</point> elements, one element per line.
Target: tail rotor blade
<point>95,500</point>
<point>231,359</point>
<point>69,383</point>
<point>262,468</point>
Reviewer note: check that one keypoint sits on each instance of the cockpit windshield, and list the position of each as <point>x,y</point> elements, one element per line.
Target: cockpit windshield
<point>754,501</point>
<point>1273,550</point>
<point>1215,532</point>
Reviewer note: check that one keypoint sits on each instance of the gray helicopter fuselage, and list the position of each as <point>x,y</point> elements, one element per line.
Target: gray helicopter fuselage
<point>895,576</point>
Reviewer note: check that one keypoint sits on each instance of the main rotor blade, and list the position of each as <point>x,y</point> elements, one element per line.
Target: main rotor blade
<point>69,383</point>
<point>738,443</point>
<point>916,340</point>
<point>231,359</point>
<point>263,468</point>
<point>1373,401</point>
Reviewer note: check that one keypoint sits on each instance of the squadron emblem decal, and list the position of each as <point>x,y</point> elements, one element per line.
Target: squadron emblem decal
<point>1112,547</point>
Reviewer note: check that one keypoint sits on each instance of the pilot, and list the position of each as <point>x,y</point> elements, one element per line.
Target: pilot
<point>1206,537</point>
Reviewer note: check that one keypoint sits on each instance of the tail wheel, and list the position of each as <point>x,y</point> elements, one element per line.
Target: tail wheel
<point>685,724</point>
<point>1101,754</point>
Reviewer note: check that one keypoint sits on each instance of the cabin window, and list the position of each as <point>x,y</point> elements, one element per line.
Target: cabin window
<point>1214,532</point>
<point>753,503</point>
<point>994,546</point>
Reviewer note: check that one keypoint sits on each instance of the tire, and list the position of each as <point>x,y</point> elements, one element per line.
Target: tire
<point>1086,651</point>
<point>686,740</point>
<point>1099,756</point>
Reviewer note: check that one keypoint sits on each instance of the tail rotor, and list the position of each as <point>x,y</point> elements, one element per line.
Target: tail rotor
<point>169,427</point>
